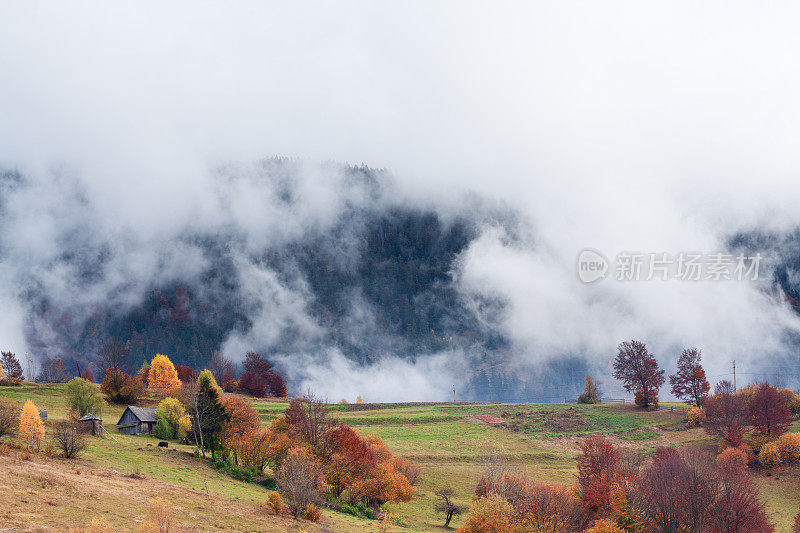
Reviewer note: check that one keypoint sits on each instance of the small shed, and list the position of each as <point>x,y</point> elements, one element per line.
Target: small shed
<point>137,420</point>
<point>90,424</point>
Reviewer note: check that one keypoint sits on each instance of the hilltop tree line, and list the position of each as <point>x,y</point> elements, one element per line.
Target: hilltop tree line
<point>259,378</point>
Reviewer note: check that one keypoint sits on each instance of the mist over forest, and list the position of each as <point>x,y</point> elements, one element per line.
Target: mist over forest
<point>383,213</point>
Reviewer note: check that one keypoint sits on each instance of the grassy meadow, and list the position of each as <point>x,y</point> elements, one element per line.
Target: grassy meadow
<point>117,477</point>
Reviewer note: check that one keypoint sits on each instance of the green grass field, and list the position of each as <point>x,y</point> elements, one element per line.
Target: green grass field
<point>448,441</point>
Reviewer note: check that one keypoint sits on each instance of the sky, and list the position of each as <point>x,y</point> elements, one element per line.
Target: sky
<point>660,127</point>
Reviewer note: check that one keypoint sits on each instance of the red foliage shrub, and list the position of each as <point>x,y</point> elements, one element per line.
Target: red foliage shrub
<point>796,527</point>
<point>87,375</point>
<point>732,458</point>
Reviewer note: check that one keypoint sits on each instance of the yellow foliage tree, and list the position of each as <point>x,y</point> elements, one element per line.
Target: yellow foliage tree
<point>31,427</point>
<point>1,371</point>
<point>174,412</point>
<point>162,375</point>
<point>359,400</point>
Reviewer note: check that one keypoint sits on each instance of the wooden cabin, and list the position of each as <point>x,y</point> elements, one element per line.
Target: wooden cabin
<point>137,420</point>
<point>90,424</point>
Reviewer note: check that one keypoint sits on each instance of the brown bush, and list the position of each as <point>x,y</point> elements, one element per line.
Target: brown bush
<point>298,479</point>
<point>9,417</point>
<point>489,514</point>
<point>274,502</point>
<point>160,518</point>
<point>67,440</point>
<point>310,512</point>
<point>98,525</point>
<point>407,468</point>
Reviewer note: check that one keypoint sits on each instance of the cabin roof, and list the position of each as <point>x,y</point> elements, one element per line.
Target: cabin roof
<point>90,416</point>
<point>144,414</point>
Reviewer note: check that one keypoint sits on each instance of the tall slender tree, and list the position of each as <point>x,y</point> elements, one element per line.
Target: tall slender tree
<point>689,382</point>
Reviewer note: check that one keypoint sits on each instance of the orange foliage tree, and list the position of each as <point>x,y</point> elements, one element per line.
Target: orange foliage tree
<point>31,427</point>
<point>162,375</point>
<point>121,388</point>
<point>239,429</point>
<point>491,513</point>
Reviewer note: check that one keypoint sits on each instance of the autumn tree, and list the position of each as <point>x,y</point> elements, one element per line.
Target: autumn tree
<point>31,427</point>
<point>253,384</point>
<point>162,375</point>
<point>446,505</point>
<point>83,397</point>
<point>52,371</point>
<point>490,513</point>
<point>638,370</point>
<point>591,392</point>
<point>206,411</point>
<point>738,506</point>
<point>87,375</point>
<point>769,412</point>
<point>67,440</point>
<point>243,421</point>
<point>298,479</point>
<point>186,374</point>
<point>121,388</point>
<point>9,417</point>
<point>309,421</point>
<point>115,354</point>
<point>598,476</point>
<point>255,367</point>
<point>676,495</point>
<point>172,411</point>
<point>351,460</point>
<point>221,367</point>
<point>11,367</point>
<point>546,507</point>
<point>726,414</point>
<point>689,382</point>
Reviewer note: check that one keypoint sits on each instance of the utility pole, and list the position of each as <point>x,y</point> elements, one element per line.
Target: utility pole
<point>454,394</point>
<point>734,375</point>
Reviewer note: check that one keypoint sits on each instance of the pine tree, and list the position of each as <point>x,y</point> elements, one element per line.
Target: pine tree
<point>207,413</point>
